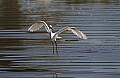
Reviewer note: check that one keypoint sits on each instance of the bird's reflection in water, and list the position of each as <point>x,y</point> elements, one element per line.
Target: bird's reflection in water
<point>55,74</point>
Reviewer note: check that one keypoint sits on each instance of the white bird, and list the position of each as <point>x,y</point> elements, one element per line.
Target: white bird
<point>54,35</point>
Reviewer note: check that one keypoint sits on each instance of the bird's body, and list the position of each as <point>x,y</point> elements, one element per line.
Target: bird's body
<point>54,35</point>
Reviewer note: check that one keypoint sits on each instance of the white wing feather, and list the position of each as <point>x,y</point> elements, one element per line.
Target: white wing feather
<point>78,33</point>
<point>37,25</point>
<point>73,29</point>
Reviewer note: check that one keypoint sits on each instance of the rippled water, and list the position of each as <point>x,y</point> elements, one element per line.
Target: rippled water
<point>29,55</point>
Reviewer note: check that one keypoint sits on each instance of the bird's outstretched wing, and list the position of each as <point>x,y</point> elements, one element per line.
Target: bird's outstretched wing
<point>37,25</point>
<point>73,29</point>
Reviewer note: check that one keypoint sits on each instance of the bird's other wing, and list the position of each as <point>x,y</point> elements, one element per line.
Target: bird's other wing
<point>58,32</point>
<point>77,32</point>
<point>73,29</point>
<point>37,25</point>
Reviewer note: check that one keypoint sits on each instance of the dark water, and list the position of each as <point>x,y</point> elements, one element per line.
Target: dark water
<point>29,55</point>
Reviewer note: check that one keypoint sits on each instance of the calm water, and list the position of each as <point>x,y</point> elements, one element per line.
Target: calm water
<point>29,55</point>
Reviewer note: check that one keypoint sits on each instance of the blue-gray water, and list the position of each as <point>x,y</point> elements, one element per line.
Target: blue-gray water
<point>29,55</point>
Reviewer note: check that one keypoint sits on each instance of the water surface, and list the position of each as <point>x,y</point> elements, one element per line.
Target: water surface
<point>29,55</point>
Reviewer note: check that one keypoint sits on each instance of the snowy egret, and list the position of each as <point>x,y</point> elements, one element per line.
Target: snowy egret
<point>54,35</point>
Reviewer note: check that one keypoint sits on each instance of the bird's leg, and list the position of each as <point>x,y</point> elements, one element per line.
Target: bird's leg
<point>53,46</point>
<point>56,47</point>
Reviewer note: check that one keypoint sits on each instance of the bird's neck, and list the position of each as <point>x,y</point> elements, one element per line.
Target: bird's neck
<point>50,33</point>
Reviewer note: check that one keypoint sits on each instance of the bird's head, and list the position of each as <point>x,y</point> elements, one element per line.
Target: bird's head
<point>50,26</point>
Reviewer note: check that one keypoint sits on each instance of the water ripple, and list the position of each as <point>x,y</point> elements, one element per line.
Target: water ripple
<point>27,55</point>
